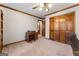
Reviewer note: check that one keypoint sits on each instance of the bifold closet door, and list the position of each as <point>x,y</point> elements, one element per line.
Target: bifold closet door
<point>51,29</point>
<point>52,32</point>
<point>59,25</point>
<point>57,29</point>
<point>62,30</point>
<point>54,29</point>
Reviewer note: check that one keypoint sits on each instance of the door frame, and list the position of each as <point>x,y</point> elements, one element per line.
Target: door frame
<point>42,31</point>
<point>1,30</point>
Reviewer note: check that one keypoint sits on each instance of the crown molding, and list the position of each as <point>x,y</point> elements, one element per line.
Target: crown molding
<point>63,9</point>
<point>37,16</point>
<point>19,11</point>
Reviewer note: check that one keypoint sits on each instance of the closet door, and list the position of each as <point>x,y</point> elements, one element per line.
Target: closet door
<point>70,24</point>
<point>1,30</point>
<point>59,25</point>
<point>62,29</point>
<point>56,29</point>
<point>52,35</point>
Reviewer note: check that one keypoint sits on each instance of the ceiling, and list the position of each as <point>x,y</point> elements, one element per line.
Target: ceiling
<point>27,7</point>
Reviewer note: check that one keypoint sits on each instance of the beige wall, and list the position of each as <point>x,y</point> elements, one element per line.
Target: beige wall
<point>16,24</point>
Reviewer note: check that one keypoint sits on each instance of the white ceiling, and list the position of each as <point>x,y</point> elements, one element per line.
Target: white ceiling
<point>27,7</point>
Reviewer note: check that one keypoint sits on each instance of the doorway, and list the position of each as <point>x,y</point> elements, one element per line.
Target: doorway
<point>41,26</point>
<point>59,25</point>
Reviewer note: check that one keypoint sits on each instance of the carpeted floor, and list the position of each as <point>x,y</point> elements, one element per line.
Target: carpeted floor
<point>41,47</point>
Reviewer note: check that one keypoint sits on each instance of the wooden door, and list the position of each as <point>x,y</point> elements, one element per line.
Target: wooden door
<point>43,28</point>
<point>41,25</point>
<point>52,29</point>
<point>59,25</point>
<point>1,31</point>
<point>56,29</point>
<point>62,29</point>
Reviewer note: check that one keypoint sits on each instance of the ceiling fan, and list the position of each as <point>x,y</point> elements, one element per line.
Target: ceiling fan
<point>43,6</point>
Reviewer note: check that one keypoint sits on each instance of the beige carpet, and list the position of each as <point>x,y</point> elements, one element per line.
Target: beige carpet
<point>41,47</point>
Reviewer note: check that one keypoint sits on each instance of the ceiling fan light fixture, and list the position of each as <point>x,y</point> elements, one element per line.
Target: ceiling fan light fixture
<point>50,5</point>
<point>40,9</point>
<point>41,4</point>
<point>46,9</point>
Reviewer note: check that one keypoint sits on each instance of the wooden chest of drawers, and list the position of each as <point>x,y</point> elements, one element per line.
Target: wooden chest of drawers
<point>31,36</point>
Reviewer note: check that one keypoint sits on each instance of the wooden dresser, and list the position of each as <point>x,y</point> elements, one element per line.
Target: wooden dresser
<point>31,36</point>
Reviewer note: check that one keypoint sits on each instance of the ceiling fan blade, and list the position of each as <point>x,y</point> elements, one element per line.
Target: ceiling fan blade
<point>35,7</point>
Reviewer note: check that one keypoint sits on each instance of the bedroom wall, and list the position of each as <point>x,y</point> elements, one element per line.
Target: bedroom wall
<point>74,9</point>
<point>15,24</point>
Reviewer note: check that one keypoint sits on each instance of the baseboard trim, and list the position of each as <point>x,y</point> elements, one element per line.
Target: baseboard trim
<point>12,43</point>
